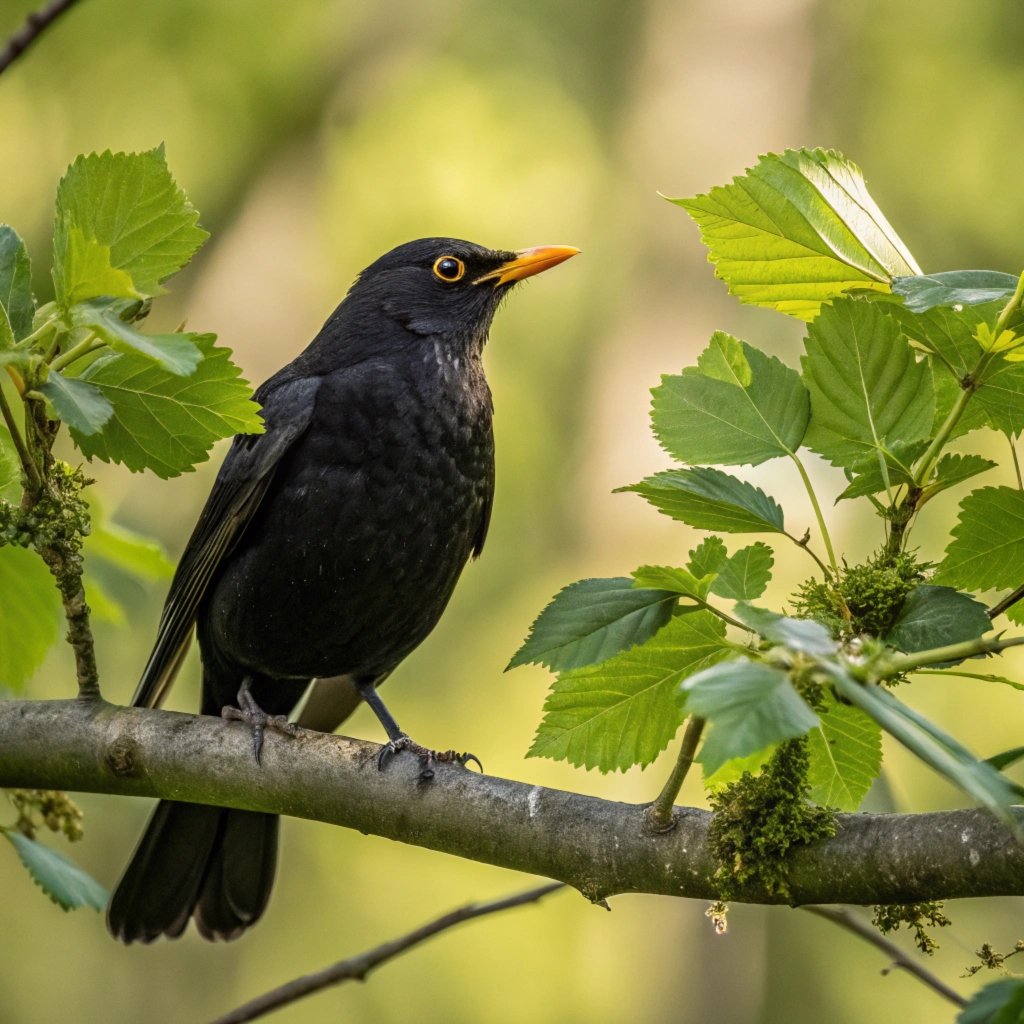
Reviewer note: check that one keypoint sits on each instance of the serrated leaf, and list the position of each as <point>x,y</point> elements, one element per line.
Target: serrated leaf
<point>946,331</point>
<point>711,500</point>
<point>745,575</point>
<point>933,746</point>
<point>732,771</point>
<point>122,227</point>
<point>953,287</point>
<point>798,634</point>
<point>16,300</point>
<point>798,230</point>
<point>748,706</point>
<point>176,353</point>
<point>30,614</point>
<point>710,419</point>
<point>935,616</point>
<point>707,557</point>
<point>987,550</point>
<point>947,394</point>
<point>622,712</point>
<point>845,755</point>
<point>666,577</point>
<point>999,1002</point>
<point>82,406</point>
<point>953,469</point>
<point>868,392</point>
<point>592,620</point>
<point>163,422</point>
<point>1001,396</point>
<point>882,470</point>
<point>61,879</point>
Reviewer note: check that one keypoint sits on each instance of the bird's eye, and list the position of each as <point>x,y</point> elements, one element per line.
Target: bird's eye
<point>449,268</point>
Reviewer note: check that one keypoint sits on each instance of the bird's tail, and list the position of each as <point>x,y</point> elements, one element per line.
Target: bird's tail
<point>212,863</point>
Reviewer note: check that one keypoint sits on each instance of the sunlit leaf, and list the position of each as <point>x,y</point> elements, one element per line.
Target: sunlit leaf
<point>845,756</point>
<point>798,230</point>
<point>707,557</point>
<point>734,417</point>
<point>745,575</point>
<point>666,577</point>
<point>30,613</point>
<point>987,549</point>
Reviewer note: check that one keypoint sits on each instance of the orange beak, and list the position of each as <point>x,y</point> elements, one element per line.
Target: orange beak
<point>529,262</point>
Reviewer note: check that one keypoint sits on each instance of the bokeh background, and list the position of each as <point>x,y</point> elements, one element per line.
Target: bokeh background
<point>315,135</point>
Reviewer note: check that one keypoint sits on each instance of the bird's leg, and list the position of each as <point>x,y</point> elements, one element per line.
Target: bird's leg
<point>250,712</point>
<point>399,740</point>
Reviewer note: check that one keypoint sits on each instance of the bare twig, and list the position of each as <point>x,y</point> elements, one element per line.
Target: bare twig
<point>31,29</point>
<point>357,967</point>
<point>854,924</point>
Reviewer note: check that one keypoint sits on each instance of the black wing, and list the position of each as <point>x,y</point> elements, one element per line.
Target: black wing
<point>241,483</point>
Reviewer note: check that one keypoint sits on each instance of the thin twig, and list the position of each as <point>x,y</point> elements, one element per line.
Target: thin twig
<point>31,29</point>
<point>27,462</point>
<point>356,968</point>
<point>660,816</point>
<point>854,924</point>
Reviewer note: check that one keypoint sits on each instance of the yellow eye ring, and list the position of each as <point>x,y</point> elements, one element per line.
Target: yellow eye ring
<point>449,268</point>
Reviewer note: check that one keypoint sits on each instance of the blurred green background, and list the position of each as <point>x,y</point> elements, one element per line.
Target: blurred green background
<point>315,135</point>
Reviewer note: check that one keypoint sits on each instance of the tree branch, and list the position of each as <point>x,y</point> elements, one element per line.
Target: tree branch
<point>31,29</point>
<point>599,847</point>
<point>356,968</point>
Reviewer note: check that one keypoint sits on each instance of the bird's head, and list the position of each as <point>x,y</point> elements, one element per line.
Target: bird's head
<point>444,287</point>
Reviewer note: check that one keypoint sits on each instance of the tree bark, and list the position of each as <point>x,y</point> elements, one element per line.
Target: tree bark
<point>599,847</point>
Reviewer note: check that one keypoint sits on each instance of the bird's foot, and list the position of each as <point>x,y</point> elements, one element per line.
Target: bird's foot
<point>428,758</point>
<point>252,714</point>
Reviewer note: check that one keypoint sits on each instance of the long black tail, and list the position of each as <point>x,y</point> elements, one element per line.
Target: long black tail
<point>212,863</point>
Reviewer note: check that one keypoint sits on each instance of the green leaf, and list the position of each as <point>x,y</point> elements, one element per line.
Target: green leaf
<point>1001,396</point>
<point>953,288</point>
<point>953,469</point>
<point>845,753</point>
<point>798,230</point>
<point>678,581</point>
<point>163,422</point>
<point>880,471</point>
<point>749,706</point>
<point>707,557</point>
<point>176,353</point>
<point>82,406</point>
<point>746,419</point>
<point>947,332</point>
<point>10,469</point>
<point>61,879</point>
<point>1006,758</point>
<point>622,712</point>
<point>999,1002</point>
<point>128,551</point>
<point>592,620</point>
<point>711,500</point>
<point>935,616</point>
<point>122,227</point>
<point>16,300</point>
<point>947,393</point>
<point>798,634</point>
<point>745,575</point>
<point>868,392</point>
<point>933,746</point>
<point>30,614</point>
<point>732,771</point>
<point>987,550</point>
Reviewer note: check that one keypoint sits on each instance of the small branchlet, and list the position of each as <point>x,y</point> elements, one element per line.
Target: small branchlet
<point>49,808</point>
<point>991,960</point>
<point>916,916</point>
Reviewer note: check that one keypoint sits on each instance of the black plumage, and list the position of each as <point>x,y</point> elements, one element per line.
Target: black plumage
<point>328,547</point>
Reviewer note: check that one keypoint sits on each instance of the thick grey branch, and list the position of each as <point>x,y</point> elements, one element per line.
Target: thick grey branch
<point>597,846</point>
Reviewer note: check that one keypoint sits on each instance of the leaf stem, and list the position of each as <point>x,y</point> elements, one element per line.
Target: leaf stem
<point>927,461</point>
<point>76,352</point>
<point>725,616</point>
<point>898,664</point>
<point>27,462</point>
<point>660,816</point>
<point>817,512</point>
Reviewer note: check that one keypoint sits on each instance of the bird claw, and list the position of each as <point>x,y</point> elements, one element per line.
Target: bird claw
<point>254,716</point>
<point>428,758</point>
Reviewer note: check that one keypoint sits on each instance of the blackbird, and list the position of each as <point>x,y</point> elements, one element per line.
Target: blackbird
<point>327,549</point>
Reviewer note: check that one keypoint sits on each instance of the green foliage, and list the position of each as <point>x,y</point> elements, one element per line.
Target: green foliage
<point>797,230</point>
<point>896,367</point>
<point>622,712</point>
<point>62,880</point>
<point>16,303</point>
<point>29,616</point>
<point>1001,1002</point>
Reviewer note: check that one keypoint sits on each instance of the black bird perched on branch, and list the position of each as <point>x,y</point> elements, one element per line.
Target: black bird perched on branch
<point>329,547</point>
